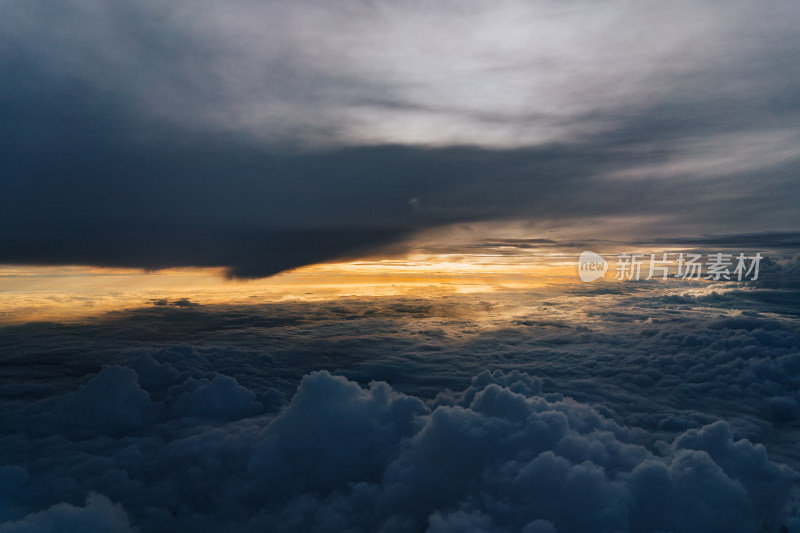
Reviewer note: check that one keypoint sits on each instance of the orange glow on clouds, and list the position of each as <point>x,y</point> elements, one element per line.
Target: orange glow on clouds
<point>35,293</point>
<point>66,293</point>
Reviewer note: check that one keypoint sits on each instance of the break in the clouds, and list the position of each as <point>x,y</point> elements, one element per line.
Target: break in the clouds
<point>262,136</point>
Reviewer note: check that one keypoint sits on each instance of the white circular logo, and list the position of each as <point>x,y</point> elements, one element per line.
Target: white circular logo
<point>591,266</point>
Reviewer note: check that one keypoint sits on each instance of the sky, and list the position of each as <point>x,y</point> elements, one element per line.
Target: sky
<point>260,137</point>
<point>313,266</point>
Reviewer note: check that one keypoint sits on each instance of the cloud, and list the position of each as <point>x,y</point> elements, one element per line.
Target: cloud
<point>339,456</point>
<point>99,514</point>
<point>221,398</point>
<point>111,403</point>
<point>656,407</point>
<point>366,73</point>
<point>264,137</point>
<point>332,433</point>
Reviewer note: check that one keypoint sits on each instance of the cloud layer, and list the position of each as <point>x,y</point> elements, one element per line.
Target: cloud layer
<point>263,137</point>
<point>505,457</point>
<point>649,407</point>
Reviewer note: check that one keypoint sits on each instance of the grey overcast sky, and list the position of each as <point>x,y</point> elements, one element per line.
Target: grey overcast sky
<point>260,136</point>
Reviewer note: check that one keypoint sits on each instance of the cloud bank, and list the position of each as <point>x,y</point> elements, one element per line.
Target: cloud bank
<point>650,407</point>
<point>261,137</point>
<point>504,457</point>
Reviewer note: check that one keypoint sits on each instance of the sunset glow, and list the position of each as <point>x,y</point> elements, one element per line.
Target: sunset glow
<point>465,266</point>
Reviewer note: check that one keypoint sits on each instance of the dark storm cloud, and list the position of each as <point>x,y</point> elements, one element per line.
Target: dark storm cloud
<point>777,240</point>
<point>159,203</point>
<point>138,135</point>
